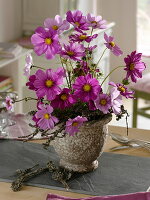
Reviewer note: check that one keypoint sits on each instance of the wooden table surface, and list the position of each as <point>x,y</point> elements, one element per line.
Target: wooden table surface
<point>35,193</point>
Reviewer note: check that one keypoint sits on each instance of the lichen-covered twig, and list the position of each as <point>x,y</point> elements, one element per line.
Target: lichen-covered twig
<point>53,136</point>
<point>58,174</point>
<point>122,113</point>
<point>30,136</point>
<point>24,176</point>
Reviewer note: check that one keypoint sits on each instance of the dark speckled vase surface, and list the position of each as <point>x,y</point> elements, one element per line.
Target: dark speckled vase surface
<point>79,153</point>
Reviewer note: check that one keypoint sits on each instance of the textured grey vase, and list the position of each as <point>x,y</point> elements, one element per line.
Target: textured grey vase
<point>80,152</point>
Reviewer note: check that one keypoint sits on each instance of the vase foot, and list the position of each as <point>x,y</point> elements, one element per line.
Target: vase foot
<point>79,168</point>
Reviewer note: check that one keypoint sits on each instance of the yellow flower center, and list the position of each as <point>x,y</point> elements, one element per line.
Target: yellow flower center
<point>131,66</point>
<point>46,116</point>
<point>70,53</point>
<point>93,22</point>
<point>103,102</point>
<point>121,88</point>
<point>49,83</point>
<point>82,37</point>
<point>77,23</point>
<point>112,44</point>
<point>55,27</point>
<point>48,41</point>
<point>64,97</point>
<point>86,87</point>
<point>75,124</point>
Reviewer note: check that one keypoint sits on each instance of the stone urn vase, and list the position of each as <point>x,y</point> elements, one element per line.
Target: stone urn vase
<point>79,153</point>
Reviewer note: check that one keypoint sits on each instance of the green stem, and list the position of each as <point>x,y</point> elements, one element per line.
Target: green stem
<point>101,57</point>
<point>71,65</point>
<point>71,72</point>
<point>110,74</point>
<point>90,35</point>
<point>65,70</point>
<point>69,78</point>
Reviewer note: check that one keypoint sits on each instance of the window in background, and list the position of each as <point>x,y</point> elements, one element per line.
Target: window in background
<point>143,26</point>
<point>86,6</point>
<point>66,5</point>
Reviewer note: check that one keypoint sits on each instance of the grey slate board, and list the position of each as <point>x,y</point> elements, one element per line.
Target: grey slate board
<point>116,174</point>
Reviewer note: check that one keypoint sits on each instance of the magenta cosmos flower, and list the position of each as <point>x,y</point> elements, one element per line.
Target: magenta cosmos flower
<point>45,42</point>
<point>73,51</point>
<point>40,105</point>
<point>9,103</point>
<point>30,83</point>
<point>56,24</point>
<point>91,48</point>
<point>61,71</point>
<point>45,119</point>
<point>82,69</point>
<point>81,37</point>
<point>110,44</point>
<point>86,88</point>
<point>95,21</point>
<point>123,90</point>
<point>73,125</point>
<point>91,105</point>
<point>134,66</point>
<point>63,100</point>
<point>116,100</point>
<point>47,83</point>
<point>103,103</point>
<point>28,65</point>
<point>77,19</point>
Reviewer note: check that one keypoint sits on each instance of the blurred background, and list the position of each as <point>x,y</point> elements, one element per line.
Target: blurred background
<point>128,21</point>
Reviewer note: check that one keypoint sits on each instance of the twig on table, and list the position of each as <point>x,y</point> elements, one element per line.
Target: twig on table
<point>18,183</point>
<point>58,174</point>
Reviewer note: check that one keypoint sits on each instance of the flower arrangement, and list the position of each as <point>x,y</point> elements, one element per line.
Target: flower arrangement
<point>72,94</point>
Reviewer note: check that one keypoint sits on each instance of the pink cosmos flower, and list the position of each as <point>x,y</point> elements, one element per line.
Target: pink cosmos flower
<point>116,100</point>
<point>103,103</point>
<point>92,105</point>
<point>39,107</point>
<point>30,83</point>
<point>56,24</point>
<point>77,19</point>
<point>35,120</point>
<point>63,100</point>
<point>61,71</point>
<point>82,69</point>
<point>45,42</point>
<point>85,67</point>
<point>90,49</point>
<point>45,119</point>
<point>9,103</point>
<point>47,83</point>
<point>73,125</point>
<point>110,44</point>
<point>95,21</point>
<point>81,37</point>
<point>28,65</point>
<point>134,66</point>
<point>73,51</point>
<point>86,88</point>
<point>123,90</point>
